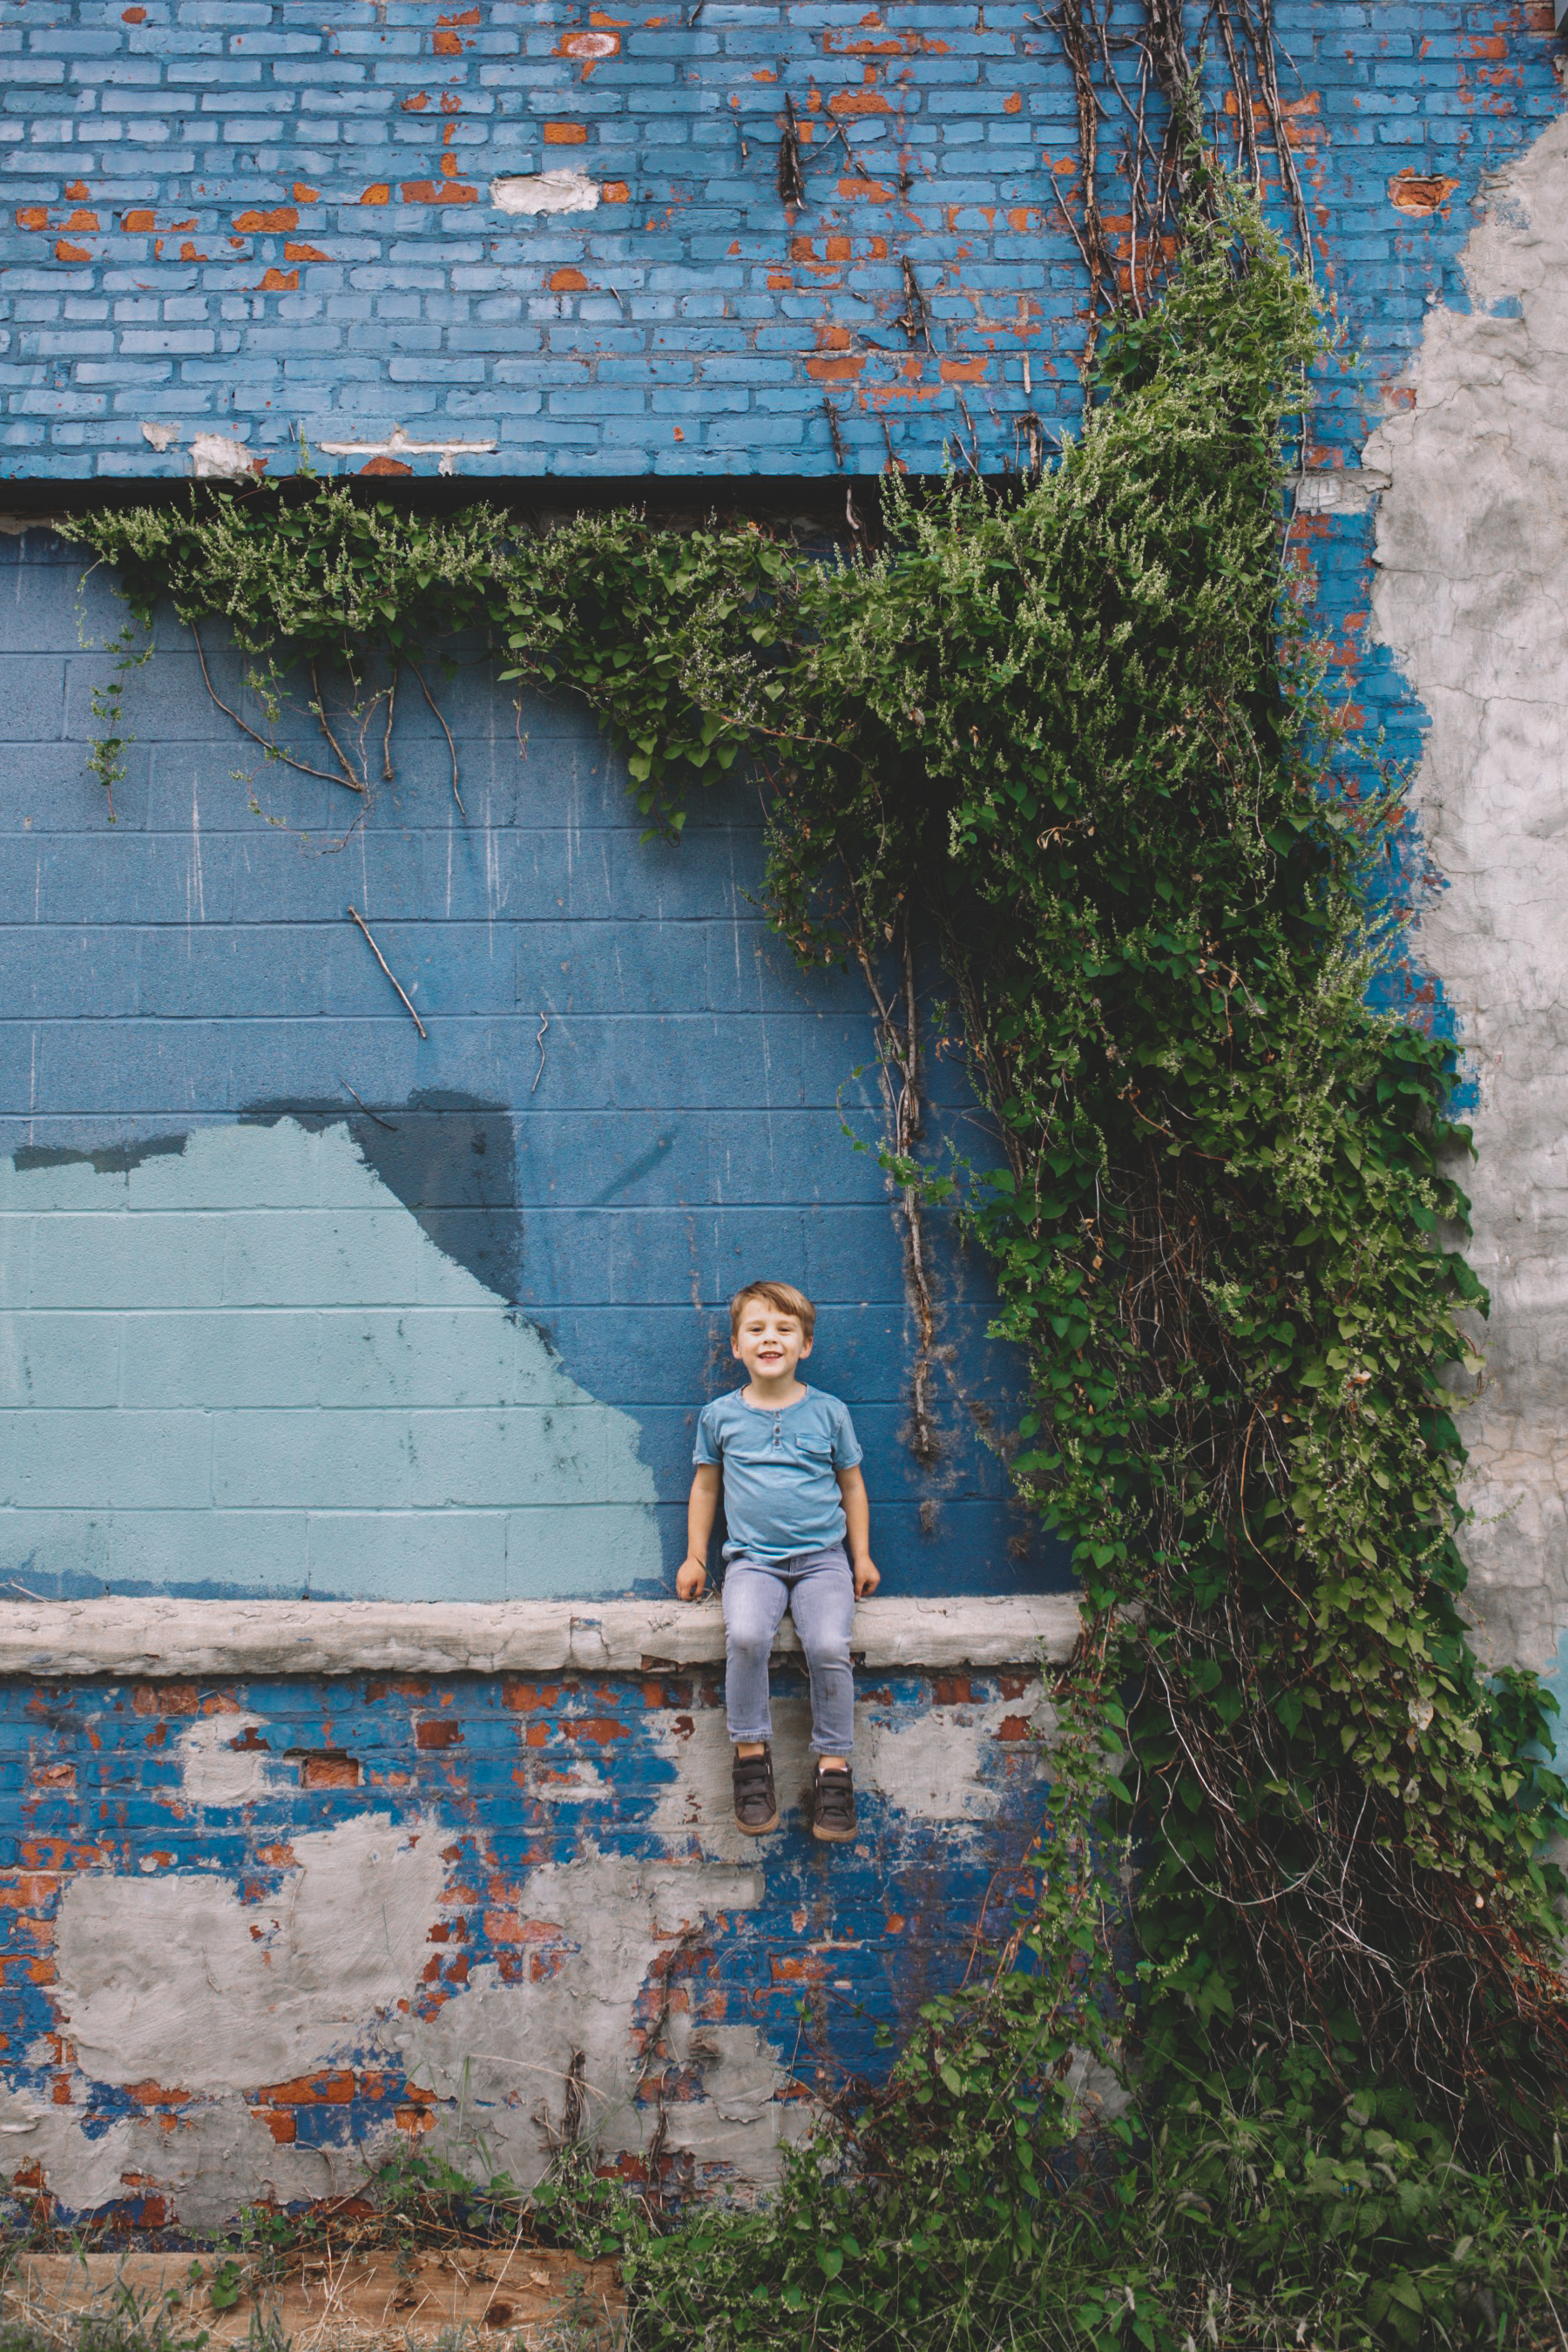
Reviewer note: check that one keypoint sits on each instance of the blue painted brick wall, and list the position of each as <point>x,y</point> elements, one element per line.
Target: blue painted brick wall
<point>270,222</point>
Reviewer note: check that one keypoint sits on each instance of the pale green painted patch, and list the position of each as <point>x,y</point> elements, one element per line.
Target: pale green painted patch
<point>244,1366</point>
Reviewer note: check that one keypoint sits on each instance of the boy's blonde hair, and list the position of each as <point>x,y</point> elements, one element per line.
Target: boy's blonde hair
<point>782,1298</point>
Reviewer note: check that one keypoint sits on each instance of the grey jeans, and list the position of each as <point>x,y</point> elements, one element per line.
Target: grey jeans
<point>817,1588</point>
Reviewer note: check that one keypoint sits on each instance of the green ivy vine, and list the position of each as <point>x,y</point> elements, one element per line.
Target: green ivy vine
<point>1073,735</point>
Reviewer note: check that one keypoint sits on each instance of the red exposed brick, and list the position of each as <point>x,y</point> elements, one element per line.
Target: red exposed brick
<point>522,1696</point>
<point>23,1890</point>
<point>166,1698</point>
<point>334,2089</point>
<point>329,1768</point>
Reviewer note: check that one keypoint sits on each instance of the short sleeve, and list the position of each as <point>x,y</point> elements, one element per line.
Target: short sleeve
<point>709,1446</point>
<point>846,1444</point>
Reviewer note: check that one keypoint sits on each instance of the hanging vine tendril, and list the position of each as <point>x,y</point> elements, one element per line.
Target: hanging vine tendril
<point>1140,106</point>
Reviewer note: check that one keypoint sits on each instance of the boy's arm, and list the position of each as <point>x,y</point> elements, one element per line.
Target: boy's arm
<point>858,1530</point>
<point>692,1577</point>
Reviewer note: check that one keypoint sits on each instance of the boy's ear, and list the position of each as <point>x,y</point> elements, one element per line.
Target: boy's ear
<point>804,1349</point>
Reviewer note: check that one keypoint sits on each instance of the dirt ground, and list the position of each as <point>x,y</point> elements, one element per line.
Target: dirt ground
<point>338,2302</point>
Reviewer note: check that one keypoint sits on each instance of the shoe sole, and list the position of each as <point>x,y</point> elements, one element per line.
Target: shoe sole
<point>756,1829</point>
<point>831,1837</point>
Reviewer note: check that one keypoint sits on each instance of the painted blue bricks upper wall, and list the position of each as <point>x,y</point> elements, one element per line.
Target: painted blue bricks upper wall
<point>275,223</point>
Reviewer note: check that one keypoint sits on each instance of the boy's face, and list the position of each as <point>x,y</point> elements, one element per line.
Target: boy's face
<point>769,1343</point>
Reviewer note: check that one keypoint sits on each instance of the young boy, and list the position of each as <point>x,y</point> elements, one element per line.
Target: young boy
<point>793,1496</point>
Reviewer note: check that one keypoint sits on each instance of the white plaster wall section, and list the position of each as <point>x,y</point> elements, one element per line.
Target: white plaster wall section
<point>164,1979</point>
<point>210,2158</point>
<point>498,2055</point>
<point>160,1978</point>
<point>218,457</point>
<point>1471,594</point>
<point>84,2173</point>
<point>534,193</point>
<point>743,2120</point>
<point>952,1766</point>
<point>245,1364</point>
<point>398,445</point>
<point>218,1771</point>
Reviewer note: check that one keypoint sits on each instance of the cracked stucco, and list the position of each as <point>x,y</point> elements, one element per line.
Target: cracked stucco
<point>199,1997</point>
<point>1471,596</point>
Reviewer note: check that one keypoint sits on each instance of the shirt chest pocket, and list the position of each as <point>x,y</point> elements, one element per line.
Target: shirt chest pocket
<point>814,1453</point>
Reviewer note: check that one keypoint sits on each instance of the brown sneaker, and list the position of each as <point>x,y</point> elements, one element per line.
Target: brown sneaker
<point>756,1807</point>
<point>833,1807</point>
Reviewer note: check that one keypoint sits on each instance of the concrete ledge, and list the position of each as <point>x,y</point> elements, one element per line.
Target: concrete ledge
<point>154,1639</point>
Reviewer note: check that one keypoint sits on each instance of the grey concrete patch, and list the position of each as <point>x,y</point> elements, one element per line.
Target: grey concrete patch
<point>1472,596</point>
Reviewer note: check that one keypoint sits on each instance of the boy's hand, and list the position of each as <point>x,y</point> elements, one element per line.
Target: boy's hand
<point>691,1579</point>
<point>868,1577</point>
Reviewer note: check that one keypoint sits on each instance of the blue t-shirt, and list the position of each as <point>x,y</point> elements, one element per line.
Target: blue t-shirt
<point>781,1496</point>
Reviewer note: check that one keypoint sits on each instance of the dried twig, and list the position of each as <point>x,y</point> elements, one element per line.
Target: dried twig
<point>386,739</point>
<point>390,1124</point>
<point>897,1056</point>
<point>445,730</point>
<point>971,452</point>
<point>1260,33</point>
<point>1154,167</point>
<point>271,749</point>
<point>539,1041</point>
<point>392,976</point>
<point>1096,253</point>
<point>791,179</point>
<point>320,708</point>
<point>573,2100</point>
<point>915,316</point>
